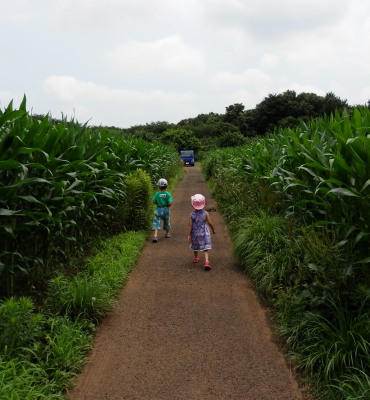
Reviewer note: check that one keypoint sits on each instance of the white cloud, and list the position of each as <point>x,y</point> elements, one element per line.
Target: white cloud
<point>269,61</point>
<point>167,55</point>
<point>126,107</point>
<point>203,55</point>
<point>248,87</point>
<point>103,13</point>
<point>249,78</point>
<point>271,20</point>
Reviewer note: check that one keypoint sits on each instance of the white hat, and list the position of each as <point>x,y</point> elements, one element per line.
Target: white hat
<point>162,182</point>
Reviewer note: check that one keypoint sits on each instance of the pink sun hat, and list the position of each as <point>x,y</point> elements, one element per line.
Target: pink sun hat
<point>198,201</point>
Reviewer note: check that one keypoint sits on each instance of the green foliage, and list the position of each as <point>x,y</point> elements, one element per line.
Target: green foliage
<point>90,293</point>
<point>276,108</point>
<point>23,380</point>
<point>318,171</point>
<point>354,385</point>
<point>20,327</point>
<point>235,115</point>
<point>262,246</point>
<point>54,345</point>
<point>332,345</point>
<point>139,204</point>
<point>82,296</point>
<point>66,345</point>
<point>230,139</point>
<point>61,184</point>
<point>180,139</point>
<point>297,202</point>
<point>116,259</point>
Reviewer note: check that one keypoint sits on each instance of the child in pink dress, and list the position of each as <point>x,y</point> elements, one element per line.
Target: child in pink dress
<point>199,230</point>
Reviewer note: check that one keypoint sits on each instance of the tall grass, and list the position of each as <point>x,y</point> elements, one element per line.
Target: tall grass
<point>22,380</point>
<point>40,352</point>
<point>297,202</point>
<point>319,172</point>
<point>58,184</point>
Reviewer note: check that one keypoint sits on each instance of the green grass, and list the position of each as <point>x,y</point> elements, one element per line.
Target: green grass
<point>297,204</point>
<point>54,352</point>
<point>23,380</point>
<point>63,183</point>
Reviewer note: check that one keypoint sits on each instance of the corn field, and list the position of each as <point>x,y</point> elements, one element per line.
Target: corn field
<point>298,206</point>
<point>320,171</point>
<point>61,183</point>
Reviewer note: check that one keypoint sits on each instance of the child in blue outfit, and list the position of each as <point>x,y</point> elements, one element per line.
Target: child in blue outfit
<point>199,230</point>
<point>163,200</point>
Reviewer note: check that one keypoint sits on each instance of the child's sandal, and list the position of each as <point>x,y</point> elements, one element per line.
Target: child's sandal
<point>207,266</point>
<point>196,260</point>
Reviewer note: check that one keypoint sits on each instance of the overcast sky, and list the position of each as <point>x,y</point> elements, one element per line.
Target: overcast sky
<point>131,62</point>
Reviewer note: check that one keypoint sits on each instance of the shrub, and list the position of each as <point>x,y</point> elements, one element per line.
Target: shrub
<point>82,296</point>
<point>19,325</point>
<point>23,380</point>
<point>139,205</point>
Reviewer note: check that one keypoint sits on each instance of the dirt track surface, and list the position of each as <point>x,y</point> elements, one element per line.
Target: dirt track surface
<point>182,333</point>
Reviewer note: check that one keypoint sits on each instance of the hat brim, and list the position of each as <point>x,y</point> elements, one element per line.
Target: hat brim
<point>198,206</point>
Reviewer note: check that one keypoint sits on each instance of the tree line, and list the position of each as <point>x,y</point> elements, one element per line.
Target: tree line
<point>237,124</point>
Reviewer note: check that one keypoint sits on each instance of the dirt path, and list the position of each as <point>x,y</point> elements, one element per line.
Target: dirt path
<point>182,333</point>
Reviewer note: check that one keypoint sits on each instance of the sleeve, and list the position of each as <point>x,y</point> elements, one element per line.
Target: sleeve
<point>169,198</point>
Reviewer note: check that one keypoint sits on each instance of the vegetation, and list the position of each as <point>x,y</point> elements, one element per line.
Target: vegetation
<point>297,202</point>
<point>61,183</point>
<point>210,131</point>
<point>41,351</point>
<point>66,191</point>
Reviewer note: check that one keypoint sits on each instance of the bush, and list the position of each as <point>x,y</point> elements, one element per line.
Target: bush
<point>23,380</point>
<point>19,326</point>
<point>139,204</point>
<point>82,296</point>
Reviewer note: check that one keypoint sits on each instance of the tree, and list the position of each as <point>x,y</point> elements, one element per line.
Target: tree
<point>181,139</point>
<point>333,103</point>
<point>230,139</point>
<point>286,109</point>
<point>235,115</point>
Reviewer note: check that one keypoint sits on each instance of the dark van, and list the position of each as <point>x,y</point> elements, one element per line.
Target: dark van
<point>187,156</point>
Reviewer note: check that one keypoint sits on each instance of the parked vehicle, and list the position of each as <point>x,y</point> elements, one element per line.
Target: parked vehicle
<point>187,156</point>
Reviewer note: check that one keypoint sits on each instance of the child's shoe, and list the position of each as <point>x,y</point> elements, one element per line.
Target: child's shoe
<point>207,266</point>
<point>168,235</point>
<point>196,260</point>
<point>155,239</point>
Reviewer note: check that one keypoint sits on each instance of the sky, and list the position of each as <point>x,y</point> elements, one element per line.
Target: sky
<point>133,62</point>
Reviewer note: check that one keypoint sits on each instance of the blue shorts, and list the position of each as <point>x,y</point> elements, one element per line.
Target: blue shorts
<point>161,214</point>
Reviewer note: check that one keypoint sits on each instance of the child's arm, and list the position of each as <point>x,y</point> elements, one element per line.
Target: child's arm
<point>190,228</point>
<point>209,222</point>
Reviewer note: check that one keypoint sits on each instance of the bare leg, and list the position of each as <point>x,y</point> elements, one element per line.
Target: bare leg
<point>206,256</point>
